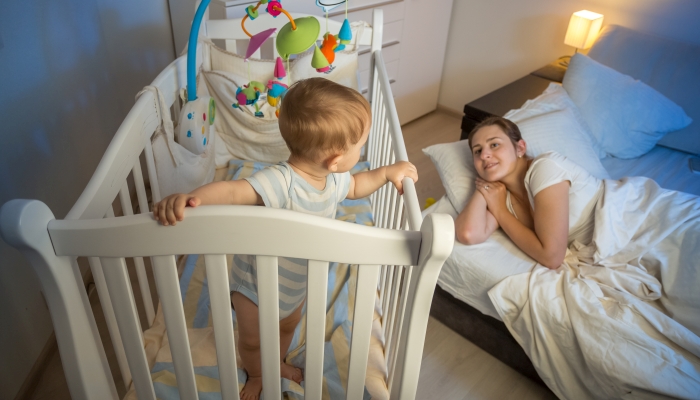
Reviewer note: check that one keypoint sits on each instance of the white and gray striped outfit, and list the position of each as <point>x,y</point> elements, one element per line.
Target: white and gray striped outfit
<point>281,187</point>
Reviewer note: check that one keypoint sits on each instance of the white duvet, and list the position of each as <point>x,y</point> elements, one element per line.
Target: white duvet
<point>621,317</point>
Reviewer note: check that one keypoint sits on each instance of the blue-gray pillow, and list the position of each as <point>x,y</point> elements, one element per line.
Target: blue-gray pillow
<point>626,116</point>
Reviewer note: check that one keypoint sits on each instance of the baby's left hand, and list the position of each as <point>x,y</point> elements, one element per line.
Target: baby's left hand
<point>494,193</point>
<point>396,172</point>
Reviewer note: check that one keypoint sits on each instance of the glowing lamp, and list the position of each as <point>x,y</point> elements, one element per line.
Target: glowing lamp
<point>583,29</point>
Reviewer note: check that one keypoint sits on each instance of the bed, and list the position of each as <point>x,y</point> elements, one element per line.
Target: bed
<point>462,298</point>
<point>375,334</point>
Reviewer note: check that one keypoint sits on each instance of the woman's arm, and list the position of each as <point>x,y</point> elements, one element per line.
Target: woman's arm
<point>475,223</point>
<point>547,244</point>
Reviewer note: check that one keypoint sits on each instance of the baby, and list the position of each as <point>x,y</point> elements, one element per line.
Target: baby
<point>325,125</point>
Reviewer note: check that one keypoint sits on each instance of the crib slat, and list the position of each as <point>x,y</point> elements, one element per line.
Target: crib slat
<point>108,310</point>
<point>392,200</point>
<point>361,329</point>
<point>117,279</point>
<point>140,188</point>
<point>151,166</point>
<point>376,104</point>
<point>387,295</point>
<point>217,277</point>
<point>268,308</point>
<point>317,285</point>
<point>125,200</point>
<point>382,278</point>
<point>165,272</point>
<point>408,270</point>
<point>378,132</point>
<point>391,317</point>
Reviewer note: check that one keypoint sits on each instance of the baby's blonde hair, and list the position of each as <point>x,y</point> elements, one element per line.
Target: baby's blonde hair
<point>318,117</point>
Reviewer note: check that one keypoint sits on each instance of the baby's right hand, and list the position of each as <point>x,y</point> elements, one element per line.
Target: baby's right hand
<point>171,209</point>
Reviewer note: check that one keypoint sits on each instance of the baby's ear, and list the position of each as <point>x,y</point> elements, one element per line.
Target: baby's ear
<point>332,162</point>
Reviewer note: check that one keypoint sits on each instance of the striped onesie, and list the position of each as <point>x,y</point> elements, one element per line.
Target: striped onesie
<point>281,187</point>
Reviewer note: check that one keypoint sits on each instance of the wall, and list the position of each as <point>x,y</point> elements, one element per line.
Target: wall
<point>494,43</point>
<point>70,70</point>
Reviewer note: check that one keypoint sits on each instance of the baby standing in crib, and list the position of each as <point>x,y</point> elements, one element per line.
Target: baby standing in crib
<point>325,125</point>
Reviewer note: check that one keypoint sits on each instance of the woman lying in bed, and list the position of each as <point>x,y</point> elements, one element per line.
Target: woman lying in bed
<point>620,316</point>
<point>542,204</point>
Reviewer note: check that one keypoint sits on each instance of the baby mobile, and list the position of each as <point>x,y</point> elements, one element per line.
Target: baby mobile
<point>295,37</point>
<point>198,113</point>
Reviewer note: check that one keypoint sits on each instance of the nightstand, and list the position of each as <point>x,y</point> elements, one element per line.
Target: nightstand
<point>511,96</point>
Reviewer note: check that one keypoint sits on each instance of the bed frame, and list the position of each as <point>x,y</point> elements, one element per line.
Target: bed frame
<point>399,260</point>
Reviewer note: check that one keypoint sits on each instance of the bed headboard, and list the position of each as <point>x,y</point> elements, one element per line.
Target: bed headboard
<point>670,67</point>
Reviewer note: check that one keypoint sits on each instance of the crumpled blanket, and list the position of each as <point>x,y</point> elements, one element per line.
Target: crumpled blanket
<point>620,318</point>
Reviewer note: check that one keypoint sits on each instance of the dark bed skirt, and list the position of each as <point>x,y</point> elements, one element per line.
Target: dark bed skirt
<point>484,331</point>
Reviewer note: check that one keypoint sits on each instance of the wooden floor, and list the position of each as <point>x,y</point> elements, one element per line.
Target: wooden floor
<point>452,368</point>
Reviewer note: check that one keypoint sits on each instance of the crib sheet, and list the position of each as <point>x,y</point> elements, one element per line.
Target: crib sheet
<point>669,168</point>
<point>194,290</point>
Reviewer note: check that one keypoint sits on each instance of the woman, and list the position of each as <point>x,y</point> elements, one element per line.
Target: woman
<point>542,204</point>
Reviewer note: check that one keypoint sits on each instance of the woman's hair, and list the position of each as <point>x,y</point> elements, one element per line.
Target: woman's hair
<point>507,126</point>
<point>319,116</point>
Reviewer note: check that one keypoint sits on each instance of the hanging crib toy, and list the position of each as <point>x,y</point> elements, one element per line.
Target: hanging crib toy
<point>323,58</point>
<point>295,37</point>
<point>197,115</point>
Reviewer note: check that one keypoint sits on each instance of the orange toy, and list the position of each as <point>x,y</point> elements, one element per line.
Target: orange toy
<point>328,46</point>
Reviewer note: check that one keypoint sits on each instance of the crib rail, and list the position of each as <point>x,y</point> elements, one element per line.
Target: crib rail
<point>50,243</point>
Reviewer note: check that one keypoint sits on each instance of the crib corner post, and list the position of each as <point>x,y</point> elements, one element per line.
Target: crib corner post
<point>438,234</point>
<point>24,224</point>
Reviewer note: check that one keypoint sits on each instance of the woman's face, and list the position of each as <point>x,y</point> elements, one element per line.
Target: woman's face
<point>494,154</point>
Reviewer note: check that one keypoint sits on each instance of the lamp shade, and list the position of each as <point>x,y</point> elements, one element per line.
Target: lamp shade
<point>583,29</point>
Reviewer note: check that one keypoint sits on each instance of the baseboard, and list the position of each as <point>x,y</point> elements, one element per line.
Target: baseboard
<point>450,111</point>
<point>32,379</point>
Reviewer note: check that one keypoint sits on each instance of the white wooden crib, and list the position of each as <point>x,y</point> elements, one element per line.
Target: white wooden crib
<point>400,260</point>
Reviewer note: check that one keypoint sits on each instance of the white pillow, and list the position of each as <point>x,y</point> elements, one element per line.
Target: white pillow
<point>455,165</point>
<point>558,130</point>
<point>625,115</point>
<point>555,98</point>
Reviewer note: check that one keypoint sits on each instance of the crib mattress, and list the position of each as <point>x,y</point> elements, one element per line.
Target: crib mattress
<point>669,168</point>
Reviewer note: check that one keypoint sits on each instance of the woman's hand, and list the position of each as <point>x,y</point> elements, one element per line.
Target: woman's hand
<point>495,195</point>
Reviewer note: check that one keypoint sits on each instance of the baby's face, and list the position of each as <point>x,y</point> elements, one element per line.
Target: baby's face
<point>352,156</point>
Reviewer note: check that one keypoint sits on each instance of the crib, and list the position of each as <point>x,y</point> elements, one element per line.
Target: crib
<point>399,261</point>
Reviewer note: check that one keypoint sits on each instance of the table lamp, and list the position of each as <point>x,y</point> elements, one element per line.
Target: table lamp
<point>583,29</point>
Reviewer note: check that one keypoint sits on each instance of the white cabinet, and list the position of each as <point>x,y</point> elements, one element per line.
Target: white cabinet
<point>414,42</point>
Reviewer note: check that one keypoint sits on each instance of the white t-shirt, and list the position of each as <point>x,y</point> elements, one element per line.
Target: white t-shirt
<point>551,168</point>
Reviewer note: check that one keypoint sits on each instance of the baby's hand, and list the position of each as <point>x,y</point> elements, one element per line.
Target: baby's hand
<point>402,169</point>
<point>171,209</point>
